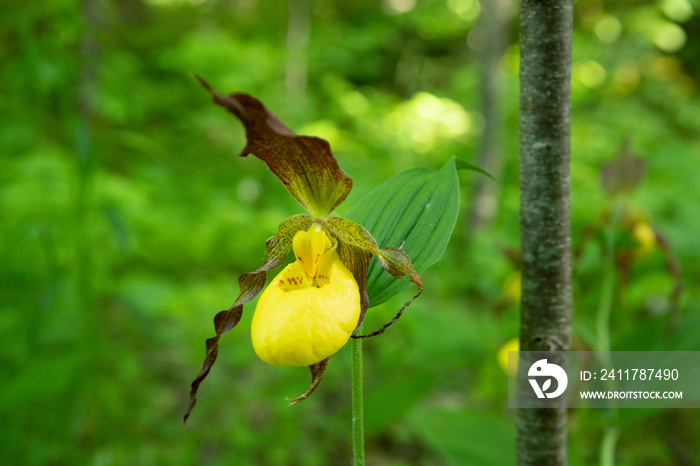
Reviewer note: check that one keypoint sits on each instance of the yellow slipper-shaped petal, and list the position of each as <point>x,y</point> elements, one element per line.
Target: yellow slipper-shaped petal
<point>310,309</point>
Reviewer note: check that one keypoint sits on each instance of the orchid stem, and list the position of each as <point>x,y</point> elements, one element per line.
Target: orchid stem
<point>607,295</point>
<point>358,427</point>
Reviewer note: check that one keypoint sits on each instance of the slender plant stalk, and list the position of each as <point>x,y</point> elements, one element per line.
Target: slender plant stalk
<point>496,21</point>
<point>609,443</point>
<point>608,281</point>
<point>607,294</point>
<point>297,61</point>
<point>358,425</point>
<point>607,448</point>
<point>605,307</point>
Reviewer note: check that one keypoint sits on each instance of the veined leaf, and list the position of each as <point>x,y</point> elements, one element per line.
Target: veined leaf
<point>415,211</point>
<point>464,165</point>
<point>362,246</point>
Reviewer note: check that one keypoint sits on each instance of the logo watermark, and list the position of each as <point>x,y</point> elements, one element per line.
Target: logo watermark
<point>596,379</point>
<point>542,368</point>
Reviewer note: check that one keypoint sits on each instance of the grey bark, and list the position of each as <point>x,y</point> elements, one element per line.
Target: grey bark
<point>546,303</point>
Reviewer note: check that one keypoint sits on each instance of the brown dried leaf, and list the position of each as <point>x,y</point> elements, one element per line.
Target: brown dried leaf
<point>304,164</point>
<point>317,371</point>
<point>355,248</point>
<point>250,285</point>
<point>624,173</point>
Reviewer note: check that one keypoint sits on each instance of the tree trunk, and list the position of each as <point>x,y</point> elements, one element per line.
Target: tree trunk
<point>546,305</point>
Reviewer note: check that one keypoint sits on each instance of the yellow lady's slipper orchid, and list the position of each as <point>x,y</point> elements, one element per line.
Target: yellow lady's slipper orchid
<point>512,286</point>
<point>310,309</point>
<point>645,236</point>
<point>503,359</point>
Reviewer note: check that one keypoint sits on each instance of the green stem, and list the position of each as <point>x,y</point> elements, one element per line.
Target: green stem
<point>607,294</point>
<point>358,427</point>
<point>607,447</point>
<point>605,306</point>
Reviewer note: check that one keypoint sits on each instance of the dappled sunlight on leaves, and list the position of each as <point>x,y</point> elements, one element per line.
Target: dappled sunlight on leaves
<point>426,121</point>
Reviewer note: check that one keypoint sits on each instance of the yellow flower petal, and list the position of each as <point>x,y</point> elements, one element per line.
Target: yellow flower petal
<point>301,320</point>
<point>511,345</point>
<point>309,246</point>
<point>512,286</point>
<point>645,236</point>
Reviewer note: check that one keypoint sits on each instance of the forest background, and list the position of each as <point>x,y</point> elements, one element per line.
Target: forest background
<point>126,218</point>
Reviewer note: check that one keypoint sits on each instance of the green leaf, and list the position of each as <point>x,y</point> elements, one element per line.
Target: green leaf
<point>464,165</point>
<point>393,396</point>
<point>360,246</point>
<point>466,436</point>
<point>414,211</point>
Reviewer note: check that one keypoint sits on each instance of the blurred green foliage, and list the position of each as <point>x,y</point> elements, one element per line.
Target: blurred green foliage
<point>125,219</point>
